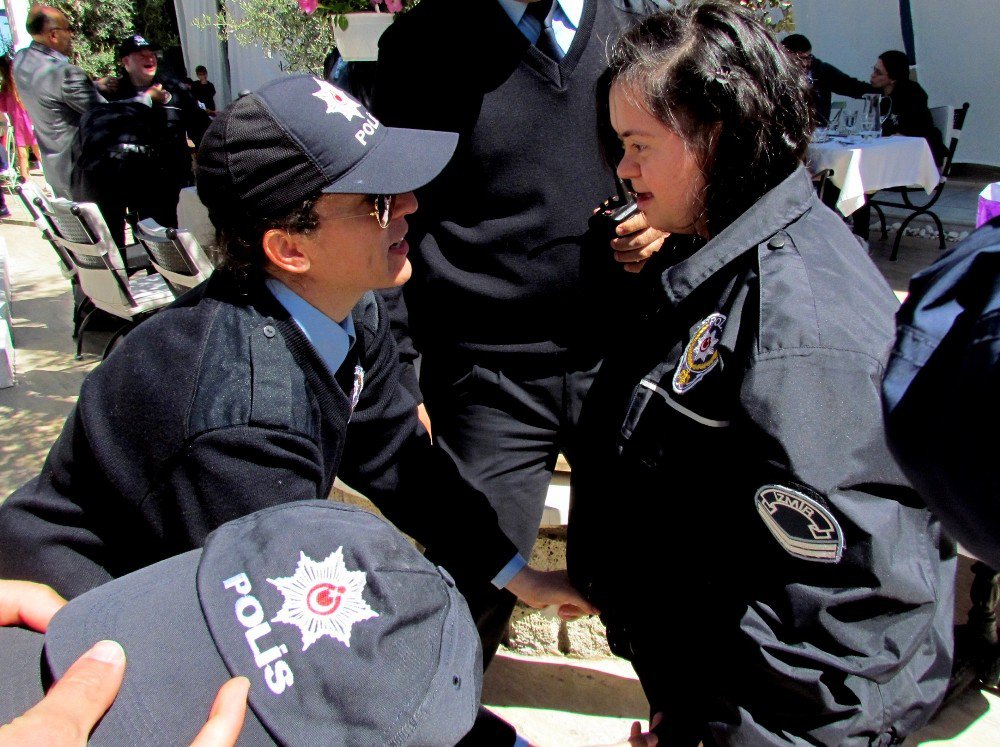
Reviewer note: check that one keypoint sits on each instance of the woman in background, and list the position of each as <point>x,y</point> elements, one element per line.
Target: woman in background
<point>737,517</point>
<point>24,131</point>
<point>909,114</point>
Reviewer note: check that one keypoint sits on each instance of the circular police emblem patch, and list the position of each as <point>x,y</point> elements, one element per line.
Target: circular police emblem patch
<point>802,525</point>
<point>700,355</point>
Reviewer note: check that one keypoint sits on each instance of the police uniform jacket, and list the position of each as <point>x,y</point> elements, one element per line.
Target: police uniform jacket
<point>216,407</point>
<point>736,476</point>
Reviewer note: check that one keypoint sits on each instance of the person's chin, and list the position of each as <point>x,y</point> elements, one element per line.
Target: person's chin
<point>400,270</point>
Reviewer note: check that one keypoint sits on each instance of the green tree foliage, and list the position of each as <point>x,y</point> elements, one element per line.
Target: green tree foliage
<point>278,27</point>
<point>101,24</point>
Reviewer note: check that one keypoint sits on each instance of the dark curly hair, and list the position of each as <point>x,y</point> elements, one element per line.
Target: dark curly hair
<point>712,73</point>
<point>897,65</point>
<point>240,249</point>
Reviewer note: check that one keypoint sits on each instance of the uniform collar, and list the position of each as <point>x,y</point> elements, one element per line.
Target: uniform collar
<point>771,213</point>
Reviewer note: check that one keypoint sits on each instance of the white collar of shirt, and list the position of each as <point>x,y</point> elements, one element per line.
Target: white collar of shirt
<point>564,24</point>
<point>332,341</point>
<point>572,9</point>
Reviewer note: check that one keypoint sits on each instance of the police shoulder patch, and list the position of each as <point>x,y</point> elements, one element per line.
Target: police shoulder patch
<point>700,355</point>
<point>802,525</point>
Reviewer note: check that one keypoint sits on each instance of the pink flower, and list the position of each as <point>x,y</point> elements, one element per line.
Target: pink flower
<point>308,6</point>
<point>393,6</point>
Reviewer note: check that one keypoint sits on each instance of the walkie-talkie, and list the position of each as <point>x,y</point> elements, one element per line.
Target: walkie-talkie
<point>612,211</point>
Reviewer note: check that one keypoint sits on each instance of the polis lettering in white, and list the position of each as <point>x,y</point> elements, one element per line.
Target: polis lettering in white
<point>367,130</point>
<point>249,612</point>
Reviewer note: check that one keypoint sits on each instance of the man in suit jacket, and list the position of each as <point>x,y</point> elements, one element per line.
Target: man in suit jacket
<point>55,92</point>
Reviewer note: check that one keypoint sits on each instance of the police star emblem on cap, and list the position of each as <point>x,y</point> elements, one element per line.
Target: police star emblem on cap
<point>323,598</point>
<point>337,102</point>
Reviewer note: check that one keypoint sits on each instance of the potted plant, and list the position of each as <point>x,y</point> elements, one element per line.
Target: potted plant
<point>356,24</point>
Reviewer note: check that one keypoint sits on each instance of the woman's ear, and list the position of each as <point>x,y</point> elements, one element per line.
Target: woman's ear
<point>284,250</point>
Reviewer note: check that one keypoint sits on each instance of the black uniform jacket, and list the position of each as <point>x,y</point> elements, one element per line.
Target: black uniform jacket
<point>736,475</point>
<point>214,408</point>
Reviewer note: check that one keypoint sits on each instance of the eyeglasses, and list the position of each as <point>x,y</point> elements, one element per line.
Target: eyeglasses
<point>67,29</point>
<point>382,212</point>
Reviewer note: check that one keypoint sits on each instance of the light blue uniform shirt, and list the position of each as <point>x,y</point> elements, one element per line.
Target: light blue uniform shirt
<point>565,22</point>
<point>332,342</point>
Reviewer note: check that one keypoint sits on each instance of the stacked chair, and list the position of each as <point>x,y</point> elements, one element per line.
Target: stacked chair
<point>175,254</point>
<point>79,233</point>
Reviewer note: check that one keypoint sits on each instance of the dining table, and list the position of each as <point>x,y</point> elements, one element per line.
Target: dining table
<point>864,166</point>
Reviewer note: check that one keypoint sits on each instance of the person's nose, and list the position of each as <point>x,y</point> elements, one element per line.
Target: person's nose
<point>405,204</point>
<point>627,168</point>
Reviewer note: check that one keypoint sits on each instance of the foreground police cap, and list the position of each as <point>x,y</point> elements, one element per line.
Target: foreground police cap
<point>347,634</point>
<point>298,136</point>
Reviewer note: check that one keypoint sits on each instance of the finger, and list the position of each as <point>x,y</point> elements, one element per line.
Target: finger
<point>648,240</point>
<point>29,604</point>
<point>655,721</point>
<point>225,720</point>
<point>635,266</point>
<point>574,612</point>
<point>81,696</point>
<point>636,222</point>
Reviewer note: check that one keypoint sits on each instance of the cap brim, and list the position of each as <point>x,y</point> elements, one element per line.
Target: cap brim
<point>21,672</point>
<point>402,161</point>
<point>173,669</point>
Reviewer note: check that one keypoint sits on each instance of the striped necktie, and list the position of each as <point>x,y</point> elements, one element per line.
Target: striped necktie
<point>538,17</point>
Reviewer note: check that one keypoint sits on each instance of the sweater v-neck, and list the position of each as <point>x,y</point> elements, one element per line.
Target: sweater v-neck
<point>538,61</point>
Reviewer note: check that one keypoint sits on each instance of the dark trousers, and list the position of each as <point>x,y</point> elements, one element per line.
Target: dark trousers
<point>504,422</point>
<point>133,185</point>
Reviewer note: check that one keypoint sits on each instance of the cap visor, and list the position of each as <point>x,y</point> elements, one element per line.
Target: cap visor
<point>20,672</point>
<point>402,161</point>
<point>173,669</point>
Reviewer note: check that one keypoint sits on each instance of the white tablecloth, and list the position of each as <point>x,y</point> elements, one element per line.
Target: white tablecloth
<point>866,166</point>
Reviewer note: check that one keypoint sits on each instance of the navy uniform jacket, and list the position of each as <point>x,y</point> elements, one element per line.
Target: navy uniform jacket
<point>944,373</point>
<point>214,408</point>
<point>736,457</point>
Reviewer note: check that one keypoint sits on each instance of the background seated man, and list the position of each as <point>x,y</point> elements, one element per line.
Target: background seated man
<point>824,78</point>
<point>274,376</point>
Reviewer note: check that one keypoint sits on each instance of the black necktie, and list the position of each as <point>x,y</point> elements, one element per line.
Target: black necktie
<point>543,11</point>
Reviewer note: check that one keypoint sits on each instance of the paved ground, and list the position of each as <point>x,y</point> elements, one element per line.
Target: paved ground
<point>552,701</point>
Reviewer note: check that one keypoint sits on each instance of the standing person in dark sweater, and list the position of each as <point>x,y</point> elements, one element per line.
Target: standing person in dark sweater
<point>512,300</point>
<point>824,79</point>
<point>274,376</point>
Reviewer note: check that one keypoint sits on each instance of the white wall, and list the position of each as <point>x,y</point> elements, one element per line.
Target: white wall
<point>958,60</point>
<point>957,49</point>
<point>202,47</point>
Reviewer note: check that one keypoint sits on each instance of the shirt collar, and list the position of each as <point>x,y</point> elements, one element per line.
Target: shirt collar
<point>771,213</point>
<point>332,341</point>
<point>45,49</point>
<point>572,9</point>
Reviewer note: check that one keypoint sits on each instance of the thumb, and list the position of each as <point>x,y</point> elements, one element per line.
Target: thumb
<point>82,695</point>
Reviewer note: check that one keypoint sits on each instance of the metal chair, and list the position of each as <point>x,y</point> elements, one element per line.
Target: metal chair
<point>175,254</point>
<point>80,230</point>
<point>908,194</point>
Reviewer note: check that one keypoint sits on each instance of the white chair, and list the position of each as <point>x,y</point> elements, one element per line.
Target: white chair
<point>79,228</point>
<point>175,254</point>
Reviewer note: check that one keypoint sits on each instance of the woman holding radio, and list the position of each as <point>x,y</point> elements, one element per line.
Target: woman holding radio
<point>739,424</point>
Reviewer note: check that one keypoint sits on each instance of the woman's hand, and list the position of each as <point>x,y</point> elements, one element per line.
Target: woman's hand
<point>636,242</point>
<point>540,589</point>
